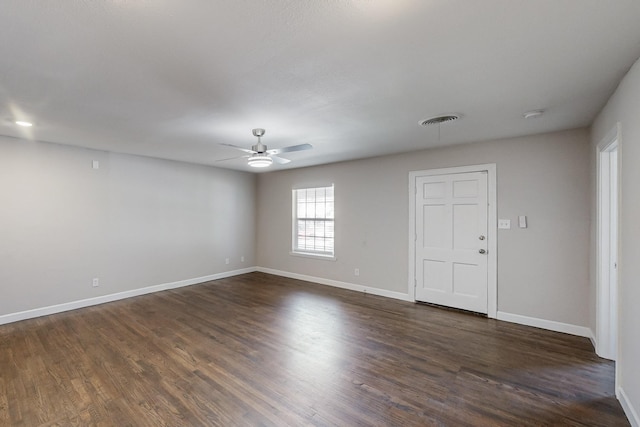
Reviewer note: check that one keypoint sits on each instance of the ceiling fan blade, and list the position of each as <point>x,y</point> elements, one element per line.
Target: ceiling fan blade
<point>239,148</point>
<point>231,158</point>
<point>280,160</point>
<point>290,149</point>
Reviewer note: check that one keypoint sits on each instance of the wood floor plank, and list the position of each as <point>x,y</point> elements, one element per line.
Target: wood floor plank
<point>262,350</point>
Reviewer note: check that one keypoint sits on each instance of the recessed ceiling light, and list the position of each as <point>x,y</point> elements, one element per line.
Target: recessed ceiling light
<point>533,114</point>
<point>24,124</point>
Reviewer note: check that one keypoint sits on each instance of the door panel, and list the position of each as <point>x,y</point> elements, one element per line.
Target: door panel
<point>464,280</point>
<point>434,190</point>
<point>434,235</point>
<point>434,275</point>
<point>465,227</point>
<point>451,217</point>
<point>462,189</point>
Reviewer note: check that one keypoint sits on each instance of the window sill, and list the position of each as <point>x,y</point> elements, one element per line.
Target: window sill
<point>314,256</point>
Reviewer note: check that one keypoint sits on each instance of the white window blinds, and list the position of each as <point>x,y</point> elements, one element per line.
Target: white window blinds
<point>313,225</point>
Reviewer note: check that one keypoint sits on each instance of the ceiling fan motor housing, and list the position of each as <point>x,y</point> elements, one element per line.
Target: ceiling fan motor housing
<point>259,147</point>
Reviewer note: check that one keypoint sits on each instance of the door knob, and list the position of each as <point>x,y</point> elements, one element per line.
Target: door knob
<point>481,237</point>
<point>482,251</point>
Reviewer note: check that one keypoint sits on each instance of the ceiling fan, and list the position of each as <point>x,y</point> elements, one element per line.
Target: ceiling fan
<point>260,157</point>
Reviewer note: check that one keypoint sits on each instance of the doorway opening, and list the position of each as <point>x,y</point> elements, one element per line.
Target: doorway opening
<point>607,246</point>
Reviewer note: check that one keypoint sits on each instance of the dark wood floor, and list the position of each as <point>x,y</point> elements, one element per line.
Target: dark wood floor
<point>263,350</point>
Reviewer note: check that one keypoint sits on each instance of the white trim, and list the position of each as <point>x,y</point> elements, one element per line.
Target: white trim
<point>338,284</point>
<point>628,408</point>
<point>73,305</point>
<point>592,337</point>
<point>492,235</point>
<point>551,325</point>
<point>312,184</point>
<point>313,256</point>
<point>603,303</point>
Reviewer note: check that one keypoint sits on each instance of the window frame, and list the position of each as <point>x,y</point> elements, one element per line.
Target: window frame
<point>294,226</point>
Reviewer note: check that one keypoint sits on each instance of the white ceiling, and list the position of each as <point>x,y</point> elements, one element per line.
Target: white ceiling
<point>172,79</point>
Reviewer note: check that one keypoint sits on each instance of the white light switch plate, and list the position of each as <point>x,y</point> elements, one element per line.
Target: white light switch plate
<point>504,224</point>
<point>522,221</point>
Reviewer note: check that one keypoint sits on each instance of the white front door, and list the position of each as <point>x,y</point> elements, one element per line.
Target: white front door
<point>451,240</point>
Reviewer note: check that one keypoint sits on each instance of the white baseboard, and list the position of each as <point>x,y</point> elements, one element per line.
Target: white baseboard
<point>592,337</point>
<point>629,410</point>
<point>73,305</point>
<point>567,328</point>
<point>551,325</point>
<point>337,284</point>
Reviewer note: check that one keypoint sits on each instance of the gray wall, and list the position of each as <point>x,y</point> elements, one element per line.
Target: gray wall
<point>624,107</point>
<point>543,271</point>
<point>134,222</point>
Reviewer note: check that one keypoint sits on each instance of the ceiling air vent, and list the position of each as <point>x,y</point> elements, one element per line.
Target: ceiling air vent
<point>445,118</point>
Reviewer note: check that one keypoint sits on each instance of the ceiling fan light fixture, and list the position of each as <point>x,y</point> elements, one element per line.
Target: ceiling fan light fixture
<point>261,157</point>
<point>260,160</point>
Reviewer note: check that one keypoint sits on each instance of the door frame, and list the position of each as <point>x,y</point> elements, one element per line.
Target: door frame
<point>604,303</point>
<point>492,231</point>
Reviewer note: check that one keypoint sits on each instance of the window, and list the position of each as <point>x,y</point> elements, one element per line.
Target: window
<point>313,221</point>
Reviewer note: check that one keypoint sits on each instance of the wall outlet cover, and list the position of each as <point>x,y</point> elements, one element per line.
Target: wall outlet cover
<point>504,224</point>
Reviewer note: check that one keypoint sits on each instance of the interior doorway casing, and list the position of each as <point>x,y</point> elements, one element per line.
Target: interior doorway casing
<point>607,237</point>
<point>492,234</point>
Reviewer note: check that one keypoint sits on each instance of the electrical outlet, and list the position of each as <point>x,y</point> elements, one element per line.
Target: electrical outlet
<point>356,272</point>
<point>242,258</point>
<point>504,224</point>
<point>96,282</point>
<point>226,261</point>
